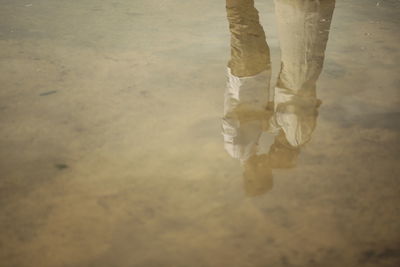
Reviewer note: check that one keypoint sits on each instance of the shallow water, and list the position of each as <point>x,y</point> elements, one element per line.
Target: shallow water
<point>111,147</point>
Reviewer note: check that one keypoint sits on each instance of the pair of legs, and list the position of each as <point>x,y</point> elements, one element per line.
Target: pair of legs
<point>303,27</point>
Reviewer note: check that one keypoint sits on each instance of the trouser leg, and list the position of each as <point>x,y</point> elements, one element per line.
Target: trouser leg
<point>247,91</point>
<point>303,27</point>
<point>249,49</point>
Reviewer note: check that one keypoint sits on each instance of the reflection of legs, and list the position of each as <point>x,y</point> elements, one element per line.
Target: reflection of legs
<point>249,49</point>
<point>303,32</point>
<point>246,95</point>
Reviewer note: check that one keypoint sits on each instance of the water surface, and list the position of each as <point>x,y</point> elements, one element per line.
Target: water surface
<point>111,147</point>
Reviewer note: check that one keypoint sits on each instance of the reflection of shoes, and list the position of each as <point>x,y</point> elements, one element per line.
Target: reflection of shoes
<point>282,155</point>
<point>257,176</point>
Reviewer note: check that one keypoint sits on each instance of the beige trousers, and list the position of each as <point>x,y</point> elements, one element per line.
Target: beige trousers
<point>303,28</point>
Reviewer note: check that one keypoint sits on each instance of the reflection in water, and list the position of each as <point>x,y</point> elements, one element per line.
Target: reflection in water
<point>290,118</point>
<point>108,148</point>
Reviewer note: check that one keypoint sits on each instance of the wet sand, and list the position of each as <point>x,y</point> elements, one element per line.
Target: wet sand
<point>111,151</point>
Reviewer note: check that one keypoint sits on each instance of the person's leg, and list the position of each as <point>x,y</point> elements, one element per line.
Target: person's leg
<point>303,27</point>
<point>249,49</point>
<point>246,95</point>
